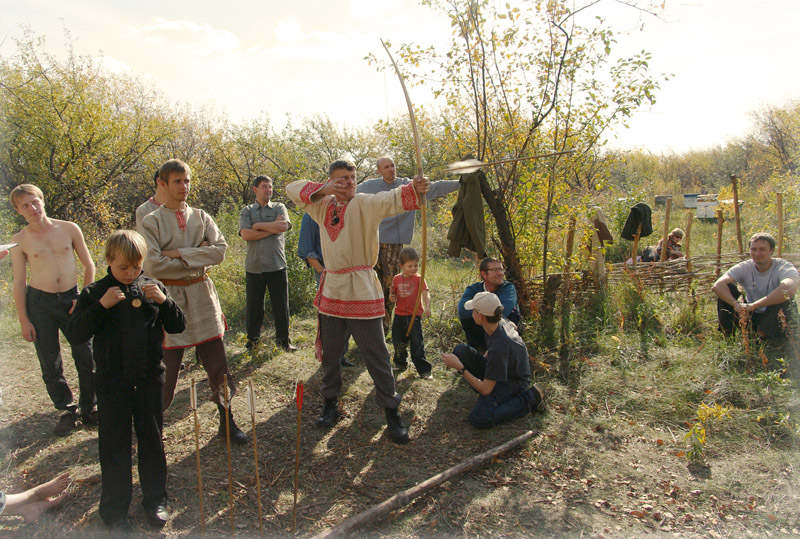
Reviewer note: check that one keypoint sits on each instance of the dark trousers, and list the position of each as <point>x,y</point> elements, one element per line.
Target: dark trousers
<point>476,337</point>
<point>369,337</point>
<point>766,322</point>
<point>401,342</point>
<point>503,403</point>
<point>256,285</point>
<point>48,312</point>
<point>117,411</point>
<point>212,356</point>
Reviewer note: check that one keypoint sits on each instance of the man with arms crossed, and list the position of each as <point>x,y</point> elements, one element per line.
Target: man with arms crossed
<point>769,284</point>
<point>48,246</point>
<point>261,225</point>
<point>181,243</point>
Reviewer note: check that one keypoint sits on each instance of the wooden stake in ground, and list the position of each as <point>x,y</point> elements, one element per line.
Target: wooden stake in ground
<point>193,404</point>
<point>780,223</point>
<point>636,245</point>
<point>227,405</point>
<point>687,236</point>
<point>251,403</point>
<point>665,233</point>
<point>299,401</point>
<point>736,214</point>
<point>720,220</point>
<point>403,498</point>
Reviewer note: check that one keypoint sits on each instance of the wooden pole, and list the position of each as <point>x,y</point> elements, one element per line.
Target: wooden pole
<point>720,221</point>
<point>687,236</point>
<point>403,498</point>
<point>780,223</point>
<point>228,439</point>
<point>736,214</point>
<point>570,242</point>
<point>665,233</point>
<point>636,244</point>
<point>299,403</point>
<point>193,403</point>
<point>251,402</point>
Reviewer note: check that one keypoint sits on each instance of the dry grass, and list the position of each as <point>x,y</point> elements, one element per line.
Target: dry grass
<point>607,461</point>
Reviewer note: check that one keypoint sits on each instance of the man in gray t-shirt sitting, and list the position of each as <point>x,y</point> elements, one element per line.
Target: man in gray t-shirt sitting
<point>769,284</point>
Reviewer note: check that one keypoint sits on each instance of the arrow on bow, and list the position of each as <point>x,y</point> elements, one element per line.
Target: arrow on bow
<point>420,200</point>
<point>471,165</point>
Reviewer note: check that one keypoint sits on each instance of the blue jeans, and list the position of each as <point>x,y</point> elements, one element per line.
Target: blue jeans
<point>401,341</point>
<point>502,404</point>
<point>48,312</point>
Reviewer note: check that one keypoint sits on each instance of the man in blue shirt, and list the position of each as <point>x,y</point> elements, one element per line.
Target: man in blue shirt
<point>492,280</point>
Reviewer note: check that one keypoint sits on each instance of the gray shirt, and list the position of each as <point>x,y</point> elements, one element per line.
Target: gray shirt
<point>400,228</point>
<point>266,254</point>
<point>759,284</point>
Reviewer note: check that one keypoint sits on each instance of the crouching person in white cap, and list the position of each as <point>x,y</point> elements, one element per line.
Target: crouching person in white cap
<point>503,374</point>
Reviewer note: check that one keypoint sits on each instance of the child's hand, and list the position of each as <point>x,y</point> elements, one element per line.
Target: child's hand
<point>428,312</point>
<point>152,291</point>
<point>112,296</point>
<point>392,296</point>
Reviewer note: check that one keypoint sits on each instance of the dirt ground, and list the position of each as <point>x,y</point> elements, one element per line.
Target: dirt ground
<point>597,467</point>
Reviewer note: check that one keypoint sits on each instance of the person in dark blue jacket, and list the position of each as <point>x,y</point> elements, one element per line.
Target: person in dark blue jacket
<point>127,314</point>
<point>492,280</point>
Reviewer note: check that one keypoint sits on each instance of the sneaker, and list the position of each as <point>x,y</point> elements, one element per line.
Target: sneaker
<point>65,424</point>
<point>426,375</point>
<point>346,363</point>
<point>541,405</point>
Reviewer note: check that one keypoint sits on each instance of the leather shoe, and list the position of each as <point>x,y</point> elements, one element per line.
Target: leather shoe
<point>237,436</point>
<point>346,363</point>
<point>395,427</point>
<point>157,516</point>
<point>65,423</point>
<point>119,528</point>
<point>330,414</point>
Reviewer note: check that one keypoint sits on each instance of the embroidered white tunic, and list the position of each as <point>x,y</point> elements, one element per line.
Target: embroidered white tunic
<point>350,287</point>
<point>184,230</point>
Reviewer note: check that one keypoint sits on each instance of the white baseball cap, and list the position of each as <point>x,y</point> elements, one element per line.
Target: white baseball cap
<point>485,303</point>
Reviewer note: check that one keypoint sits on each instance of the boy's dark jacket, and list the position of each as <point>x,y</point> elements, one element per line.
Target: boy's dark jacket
<point>127,339</point>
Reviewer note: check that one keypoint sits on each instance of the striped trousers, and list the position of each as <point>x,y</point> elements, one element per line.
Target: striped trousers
<point>371,342</point>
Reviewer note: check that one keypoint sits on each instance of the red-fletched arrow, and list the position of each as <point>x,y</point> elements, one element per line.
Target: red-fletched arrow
<point>299,396</point>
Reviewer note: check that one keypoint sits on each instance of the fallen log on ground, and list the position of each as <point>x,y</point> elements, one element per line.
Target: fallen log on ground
<point>403,498</point>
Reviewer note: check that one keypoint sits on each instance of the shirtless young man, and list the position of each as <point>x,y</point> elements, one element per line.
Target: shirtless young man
<point>44,302</point>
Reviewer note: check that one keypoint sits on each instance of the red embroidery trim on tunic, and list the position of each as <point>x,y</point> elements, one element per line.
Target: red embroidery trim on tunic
<point>352,309</point>
<point>308,190</point>
<point>181,220</point>
<point>409,197</point>
<point>154,201</point>
<point>333,230</point>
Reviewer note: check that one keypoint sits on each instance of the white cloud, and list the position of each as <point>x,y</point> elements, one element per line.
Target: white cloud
<point>189,37</point>
<point>113,65</point>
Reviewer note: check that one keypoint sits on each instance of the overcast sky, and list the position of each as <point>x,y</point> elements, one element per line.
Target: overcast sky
<point>243,58</point>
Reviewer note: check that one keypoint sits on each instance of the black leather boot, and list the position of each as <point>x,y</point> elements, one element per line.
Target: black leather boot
<point>330,414</point>
<point>395,427</point>
<point>237,436</point>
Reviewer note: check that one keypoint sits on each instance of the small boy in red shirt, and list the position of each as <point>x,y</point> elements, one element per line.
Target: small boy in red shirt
<point>403,293</point>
